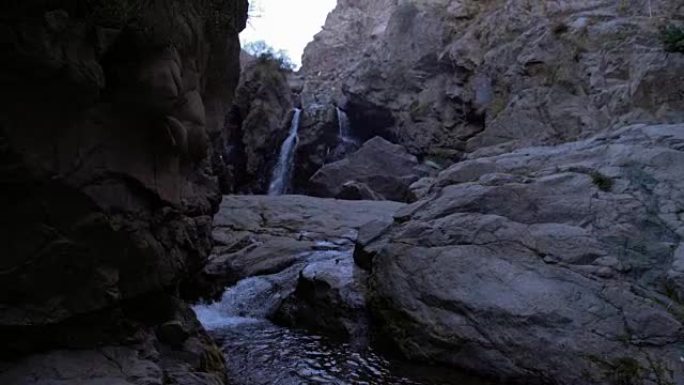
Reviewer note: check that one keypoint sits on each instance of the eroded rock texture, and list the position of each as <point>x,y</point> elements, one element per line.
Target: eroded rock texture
<point>552,265</point>
<point>448,77</point>
<point>112,114</point>
<point>258,123</point>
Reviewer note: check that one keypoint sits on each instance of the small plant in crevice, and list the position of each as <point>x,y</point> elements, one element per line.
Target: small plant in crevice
<point>672,37</point>
<point>601,181</point>
<point>266,54</point>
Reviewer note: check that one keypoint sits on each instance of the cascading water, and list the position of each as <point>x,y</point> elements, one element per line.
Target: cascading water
<point>282,172</point>
<point>344,127</point>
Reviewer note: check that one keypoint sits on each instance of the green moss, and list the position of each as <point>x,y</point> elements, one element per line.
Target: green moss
<point>601,181</point>
<point>673,38</point>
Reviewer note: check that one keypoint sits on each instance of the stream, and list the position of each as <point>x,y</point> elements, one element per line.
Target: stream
<point>259,352</point>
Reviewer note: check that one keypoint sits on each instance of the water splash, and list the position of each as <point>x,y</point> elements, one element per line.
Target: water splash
<point>282,173</point>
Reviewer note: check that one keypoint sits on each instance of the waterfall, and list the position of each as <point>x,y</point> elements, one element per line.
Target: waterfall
<point>344,127</point>
<point>280,179</point>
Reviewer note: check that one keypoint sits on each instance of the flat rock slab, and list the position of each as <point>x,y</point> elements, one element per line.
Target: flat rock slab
<point>257,235</point>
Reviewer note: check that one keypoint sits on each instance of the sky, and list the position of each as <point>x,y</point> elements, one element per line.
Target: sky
<point>286,24</point>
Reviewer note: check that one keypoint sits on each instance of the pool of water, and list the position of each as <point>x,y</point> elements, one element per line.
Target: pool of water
<point>260,352</point>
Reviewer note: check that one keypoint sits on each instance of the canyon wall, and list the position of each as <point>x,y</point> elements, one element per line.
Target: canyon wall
<point>111,135</point>
<point>447,78</point>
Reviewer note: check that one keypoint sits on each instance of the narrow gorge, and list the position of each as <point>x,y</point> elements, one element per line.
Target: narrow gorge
<point>447,192</point>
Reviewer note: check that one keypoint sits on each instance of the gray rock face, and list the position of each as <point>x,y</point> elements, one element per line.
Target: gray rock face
<point>255,235</point>
<point>446,77</point>
<point>378,170</point>
<point>546,265</point>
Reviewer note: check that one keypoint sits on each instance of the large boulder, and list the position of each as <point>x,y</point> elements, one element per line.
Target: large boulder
<point>550,265</point>
<point>378,170</point>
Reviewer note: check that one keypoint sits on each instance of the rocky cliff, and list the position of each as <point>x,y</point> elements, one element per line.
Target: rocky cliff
<point>257,125</point>
<point>446,78</point>
<point>113,113</point>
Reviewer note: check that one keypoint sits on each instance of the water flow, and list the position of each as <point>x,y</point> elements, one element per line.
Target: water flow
<point>344,132</point>
<point>283,169</point>
<point>261,353</point>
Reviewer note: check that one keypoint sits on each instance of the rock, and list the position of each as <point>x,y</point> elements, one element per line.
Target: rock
<point>379,169</point>
<point>529,266</point>
<point>292,257</point>
<point>421,187</point>
<point>318,139</point>
<point>108,172</point>
<point>444,78</point>
<point>258,123</point>
<point>259,235</point>
<point>329,298</point>
<point>108,365</point>
<point>356,191</point>
<point>172,333</point>
<point>366,245</point>
<point>144,361</point>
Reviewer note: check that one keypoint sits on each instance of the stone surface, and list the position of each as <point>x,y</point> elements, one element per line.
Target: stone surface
<point>108,137</point>
<point>447,77</point>
<point>260,234</point>
<point>258,123</point>
<point>292,256</point>
<point>143,360</point>
<point>378,170</point>
<point>543,265</point>
<point>329,298</point>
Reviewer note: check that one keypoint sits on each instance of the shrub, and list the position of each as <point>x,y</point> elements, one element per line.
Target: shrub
<point>601,181</point>
<point>673,38</point>
<point>267,54</point>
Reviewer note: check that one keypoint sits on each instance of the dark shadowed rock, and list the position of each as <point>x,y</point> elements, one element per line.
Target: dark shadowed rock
<point>108,148</point>
<point>329,298</point>
<point>379,169</point>
<point>257,125</point>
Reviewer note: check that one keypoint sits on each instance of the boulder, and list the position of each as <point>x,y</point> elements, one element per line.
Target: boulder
<point>330,299</point>
<point>108,170</point>
<point>258,123</point>
<point>544,265</point>
<point>379,170</point>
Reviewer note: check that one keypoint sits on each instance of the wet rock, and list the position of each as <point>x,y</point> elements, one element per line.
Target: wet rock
<point>378,169</point>
<point>329,299</point>
<point>259,235</point>
<point>527,266</point>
